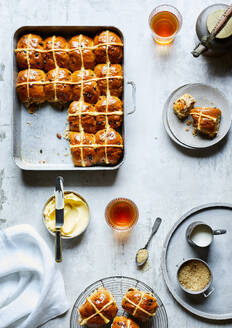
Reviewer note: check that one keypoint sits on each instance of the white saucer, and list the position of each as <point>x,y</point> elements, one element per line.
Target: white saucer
<point>206,96</point>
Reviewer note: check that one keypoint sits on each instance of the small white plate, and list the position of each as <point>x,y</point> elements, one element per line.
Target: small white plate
<point>206,96</point>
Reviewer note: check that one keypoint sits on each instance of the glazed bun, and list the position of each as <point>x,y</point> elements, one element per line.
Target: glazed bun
<point>31,93</point>
<point>206,120</point>
<point>30,58</point>
<point>84,58</point>
<point>108,154</point>
<point>110,105</point>
<point>114,74</point>
<point>124,322</point>
<point>114,51</point>
<point>82,155</point>
<point>58,92</point>
<point>88,88</point>
<point>80,116</point>
<point>141,305</point>
<point>55,56</point>
<point>99,308</point>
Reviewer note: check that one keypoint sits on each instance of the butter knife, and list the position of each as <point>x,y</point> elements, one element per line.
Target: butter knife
<point>59,198</point>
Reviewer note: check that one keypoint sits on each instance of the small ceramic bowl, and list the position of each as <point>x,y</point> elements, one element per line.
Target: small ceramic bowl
<point>65,237</point>
<point>207,290</point>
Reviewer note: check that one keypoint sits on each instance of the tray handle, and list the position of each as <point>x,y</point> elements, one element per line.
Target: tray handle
<point>209,292</point>
<point>133,86</point>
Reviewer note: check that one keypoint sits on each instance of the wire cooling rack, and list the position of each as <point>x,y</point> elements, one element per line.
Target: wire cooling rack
<point>118,286</point>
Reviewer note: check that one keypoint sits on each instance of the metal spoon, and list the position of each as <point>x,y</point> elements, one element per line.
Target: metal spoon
<point>154,230</point>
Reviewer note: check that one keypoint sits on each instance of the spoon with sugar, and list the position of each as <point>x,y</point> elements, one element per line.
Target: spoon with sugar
<point>142,254</point>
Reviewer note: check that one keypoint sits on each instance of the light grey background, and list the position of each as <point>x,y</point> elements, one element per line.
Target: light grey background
<point>161,178</point>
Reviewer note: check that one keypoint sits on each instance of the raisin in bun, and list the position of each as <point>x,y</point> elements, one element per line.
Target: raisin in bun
<point>82,148</point>
<point>89,88</point>
<point>141,305</point>
<point>59,57</point>
<point>32,57</point>
<point>115,83</point>
<point>99,308</point>
<point>124,322</point>
<point>110,105</point>
<point>30,93</point>
<point>108,154</point>
<point>81,115</point>
<point>81,57</point>
<point>114,51</point>
<point>55,90</point>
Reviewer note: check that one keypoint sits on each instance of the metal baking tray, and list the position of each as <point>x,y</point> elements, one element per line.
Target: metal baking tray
<point>35,144</point>
<point>218,305</point>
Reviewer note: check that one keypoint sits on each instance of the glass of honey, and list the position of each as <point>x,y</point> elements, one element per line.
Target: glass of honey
<point>165,22</point>
<point>121,214</point>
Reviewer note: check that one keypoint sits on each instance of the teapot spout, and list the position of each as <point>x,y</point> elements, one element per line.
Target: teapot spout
<point>200,48</point>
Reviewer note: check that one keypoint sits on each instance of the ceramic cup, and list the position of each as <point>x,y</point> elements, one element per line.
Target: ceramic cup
<point>207,291</point>
<point>200,234</point>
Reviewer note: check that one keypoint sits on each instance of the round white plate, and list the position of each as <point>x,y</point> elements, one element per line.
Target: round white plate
<point>206,96</point>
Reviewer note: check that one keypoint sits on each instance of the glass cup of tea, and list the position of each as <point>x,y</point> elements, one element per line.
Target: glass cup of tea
<point>121,214</point>
<point>165,22</point>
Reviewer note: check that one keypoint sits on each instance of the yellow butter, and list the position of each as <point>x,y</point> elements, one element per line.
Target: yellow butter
<point>76,215</point>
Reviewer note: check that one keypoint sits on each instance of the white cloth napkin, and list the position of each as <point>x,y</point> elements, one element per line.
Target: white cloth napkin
<point>31,287</point>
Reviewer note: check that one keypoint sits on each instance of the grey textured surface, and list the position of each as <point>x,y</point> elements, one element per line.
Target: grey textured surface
<point>161,178</point>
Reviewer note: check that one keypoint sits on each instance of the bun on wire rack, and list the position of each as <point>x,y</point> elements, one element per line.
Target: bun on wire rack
<point>141,305</point>
<point>99,309</point>
<point>124,322</point>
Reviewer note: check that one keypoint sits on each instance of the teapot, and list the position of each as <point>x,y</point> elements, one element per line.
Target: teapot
<point>214,31</point>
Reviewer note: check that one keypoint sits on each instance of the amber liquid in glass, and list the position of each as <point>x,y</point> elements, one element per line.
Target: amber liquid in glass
<point>121,214</point>
<point>164,24</point>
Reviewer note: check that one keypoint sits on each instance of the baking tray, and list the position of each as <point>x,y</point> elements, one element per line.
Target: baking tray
<point>119,285</point>
<point>218,305</point>
<point>35,144</point>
